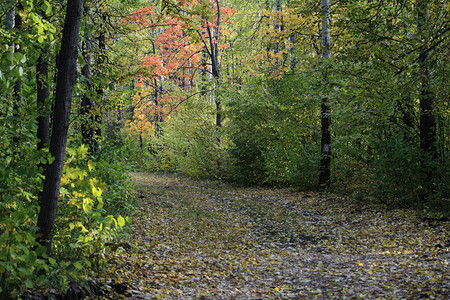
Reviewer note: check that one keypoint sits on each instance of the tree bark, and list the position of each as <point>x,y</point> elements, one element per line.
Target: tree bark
<point>18,84</point>
<point>427,114</point>
<point>87,105</point>
<point>43,120</point>
<point>213,35</point>
<point>101,61</point>
<point>277,27</point>
<point>325,148</point>
<point>61,116</point>
<point>9,18</point>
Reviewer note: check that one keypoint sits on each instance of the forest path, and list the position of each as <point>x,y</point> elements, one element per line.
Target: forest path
<point>208,240</point>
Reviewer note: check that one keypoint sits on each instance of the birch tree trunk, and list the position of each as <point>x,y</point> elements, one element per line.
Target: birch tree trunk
<point>61,115</point>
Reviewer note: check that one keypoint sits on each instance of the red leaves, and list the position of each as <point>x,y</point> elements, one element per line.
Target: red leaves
<point>143,16</point>
<point>175,43</point>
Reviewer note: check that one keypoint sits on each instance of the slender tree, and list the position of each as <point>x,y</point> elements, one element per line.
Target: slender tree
<point>66,76</point>
<point>14,20</point>
<point>277,25</point>
<point>213,53</point>
<point>325,148</point>
<point>427,116</point>
<point>43,93</point>
<point>87,105</point>
<point>43,120</point>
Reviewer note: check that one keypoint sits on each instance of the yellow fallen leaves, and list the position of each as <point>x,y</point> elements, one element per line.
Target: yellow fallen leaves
<point>204,239</point>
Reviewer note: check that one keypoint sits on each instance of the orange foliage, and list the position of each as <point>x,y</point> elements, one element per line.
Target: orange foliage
<point>176,55</point>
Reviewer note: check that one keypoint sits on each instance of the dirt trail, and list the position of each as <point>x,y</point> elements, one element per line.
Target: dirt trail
<point>207,240</point>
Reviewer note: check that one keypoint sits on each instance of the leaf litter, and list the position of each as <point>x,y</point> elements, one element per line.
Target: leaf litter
<point>209,240</point>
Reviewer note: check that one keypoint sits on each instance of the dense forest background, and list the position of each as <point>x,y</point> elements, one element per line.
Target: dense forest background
<point>350,97</point>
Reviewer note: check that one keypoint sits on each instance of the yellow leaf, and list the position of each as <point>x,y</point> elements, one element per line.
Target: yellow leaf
<point>121,221</point>
<point>86,204</point>
<point>82,227</point>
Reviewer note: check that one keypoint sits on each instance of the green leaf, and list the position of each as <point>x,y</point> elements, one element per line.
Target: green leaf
<point>121,221</point>
<point>17,56</point>
<point>20,71</point>
<point>51,159</point>
<point>78,265</point>
<point>90,165</point>
<point>100,203</point>
<point>46,7</point>
<point>28,283</point>
<point>52,261</point>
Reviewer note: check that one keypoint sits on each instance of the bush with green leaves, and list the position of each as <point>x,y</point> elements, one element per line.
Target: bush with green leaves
<point>20,256</point>
<point>91,196</point>
<point>90,199</point>
<point>193,143</point>
<point>273,129</point>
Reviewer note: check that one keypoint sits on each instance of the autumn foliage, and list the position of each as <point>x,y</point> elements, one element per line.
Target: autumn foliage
<point>176,57</point>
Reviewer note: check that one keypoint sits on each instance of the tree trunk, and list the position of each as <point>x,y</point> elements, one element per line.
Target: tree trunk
<point>87,105</point>
<point>43,93</point>
<point>43,120</point>
<point>427,126</point>
<point>213,34</point>
<point>61,116</point>
<point>325,148</point>
<point>101,61</point>
<point>427,115</point>
<point>18,84</point>
<point>9,18</point>
<point>12,20</point>
<point>277,25</point>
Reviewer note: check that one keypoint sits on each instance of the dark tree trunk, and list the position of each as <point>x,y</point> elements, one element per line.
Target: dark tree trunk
<point>87,105</point>
<point>158,119</point>
<point>101,60</point>
<point>43,120</point>
<point>427,126</point>
<point>325,147</point>
<point>215,73</point>
<point>204,73</point>
<point>61,116</point>
<point>213,35</point>
<point>325,160</point>
<point>43,93</point>
<point>427,115</point>
<point>17,85</point>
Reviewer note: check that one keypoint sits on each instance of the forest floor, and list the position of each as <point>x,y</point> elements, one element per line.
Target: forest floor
<point>209,240</point>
